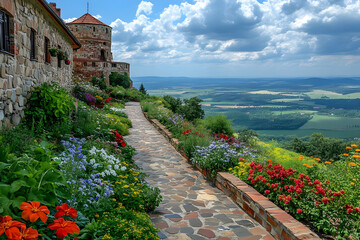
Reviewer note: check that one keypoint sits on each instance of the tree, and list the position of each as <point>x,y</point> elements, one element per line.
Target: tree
<point>142,89</point>
<point>117,79</point>
<point>174,104</point>
<point>191,109</point>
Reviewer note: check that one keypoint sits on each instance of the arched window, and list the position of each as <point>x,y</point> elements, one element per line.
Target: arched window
<point>102,55</point>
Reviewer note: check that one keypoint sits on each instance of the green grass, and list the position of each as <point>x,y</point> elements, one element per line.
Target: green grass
<point>317,94</point>
<point>287,100</point>
<point>294,111</point>
<point>332,122</point>
<point>343,134</point>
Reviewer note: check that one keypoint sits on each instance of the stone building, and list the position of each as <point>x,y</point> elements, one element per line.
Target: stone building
<point>95,56</point>
<point>28,28</point>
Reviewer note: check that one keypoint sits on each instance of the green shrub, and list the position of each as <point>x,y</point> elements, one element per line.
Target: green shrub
<point>193,138</point>
<point>248,136</point>
<point>142,89</point>
<point>99,82</point>
<point>191,109</point>
<point>219,124</point>
<point>174,104</point>
<point>127,225</point>
<point>48,105</point>
<point>117,79</point>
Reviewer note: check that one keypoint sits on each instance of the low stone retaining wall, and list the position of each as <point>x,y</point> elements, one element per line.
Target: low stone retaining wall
<point>276,221</point>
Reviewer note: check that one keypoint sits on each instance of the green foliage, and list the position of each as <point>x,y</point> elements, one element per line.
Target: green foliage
<point>318,146</point>
<point>197,137</point>
<point>99,82</point>
<point>191,109</point>
<point>219,124</point>
<point>127,225</point>
<point>18,138</point>
<point>142,89</point>
<point>174,104</point>
<point>26,178</point>
<point>48,105</point>
<point>117,79</point>
<point>248,136</point>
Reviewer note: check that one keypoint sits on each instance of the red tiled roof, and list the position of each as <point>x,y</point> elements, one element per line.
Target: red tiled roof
<point>87,19</point>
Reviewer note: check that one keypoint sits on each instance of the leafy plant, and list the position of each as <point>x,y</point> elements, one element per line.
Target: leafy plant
<point>117,79</point>
<point>219,124</point>
<point>49,104</point>
<point>174,104</point>
<point>99,82</point>
<point>191,109</point>
<point>142,89</point>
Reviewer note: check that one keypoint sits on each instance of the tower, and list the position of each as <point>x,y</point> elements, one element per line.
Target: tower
<point>94,58</point>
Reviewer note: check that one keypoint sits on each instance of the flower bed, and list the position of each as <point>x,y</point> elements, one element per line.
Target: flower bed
<point>84,164</point>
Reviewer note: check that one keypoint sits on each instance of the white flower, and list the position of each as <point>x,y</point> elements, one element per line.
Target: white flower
<point>106,172</point>
<point>116,167</point>
<point>123,168</point>
<point>113,172</point>
<point>92,161</point>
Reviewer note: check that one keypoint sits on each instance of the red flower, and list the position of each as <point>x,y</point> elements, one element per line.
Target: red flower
<point>32,211</point>
<point>325,200</point>
<point>65,210</point>
<point>63,228</point>
<point>27,234</point>
<point>267,191</point>
<point>10,227</point>
<point>298,211</point>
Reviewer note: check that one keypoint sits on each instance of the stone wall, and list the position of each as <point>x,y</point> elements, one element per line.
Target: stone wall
<point>18,73</point>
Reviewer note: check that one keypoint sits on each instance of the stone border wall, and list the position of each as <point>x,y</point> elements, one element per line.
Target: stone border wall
<point>276,221</point>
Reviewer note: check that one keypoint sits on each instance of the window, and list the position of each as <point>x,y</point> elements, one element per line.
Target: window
<point>104,64</point>
<point>94,64</point>
<point>104,43</point>
<point>102,55</point>
<point>4,32</point>
<point>94,29</point>
<point>85,64</point>
<point>114,65</point>
<point>59,59</point>
<point>107,31</point>
<point>46,50</point>
<point>32,44</point>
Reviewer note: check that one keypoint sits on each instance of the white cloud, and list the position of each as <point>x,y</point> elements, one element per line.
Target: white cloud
<point>98,16</point>
<point>144,7</point>
<point>69,20</point>
<point>226,31</point>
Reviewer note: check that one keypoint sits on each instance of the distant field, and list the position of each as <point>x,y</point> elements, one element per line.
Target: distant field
<point>317,94</point>
<point>332,123</point>
<point>330,106</point>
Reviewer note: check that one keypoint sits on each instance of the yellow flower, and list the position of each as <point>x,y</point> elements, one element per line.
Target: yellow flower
<point>354,145</point>
<point>352,183</point>
<point>357,150</point>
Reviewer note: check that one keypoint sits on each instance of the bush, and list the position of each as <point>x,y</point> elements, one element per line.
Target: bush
<point>49,104</point>
<point>117,79</point>
<point>191,109</point>
<point>219,124</point>
<point>191,139</point>
<point>174,104</point>
<point>142,89</point>
<point>99,82</point>
<point>248,136</point>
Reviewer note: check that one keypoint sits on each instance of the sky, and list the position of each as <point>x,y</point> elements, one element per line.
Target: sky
<point>230,38</point>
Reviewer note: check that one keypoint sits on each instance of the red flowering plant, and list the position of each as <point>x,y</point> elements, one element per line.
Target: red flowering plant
<point>306,198</point>
<point>225,138</point>
<point>119,139</point>
<point>32,212</point>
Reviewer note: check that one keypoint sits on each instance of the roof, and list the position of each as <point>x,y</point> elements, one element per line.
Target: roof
<point>87,19</point>
<point>75,42</point>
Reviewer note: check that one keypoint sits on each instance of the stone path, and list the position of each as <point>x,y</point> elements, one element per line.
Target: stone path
<point>191,207</point>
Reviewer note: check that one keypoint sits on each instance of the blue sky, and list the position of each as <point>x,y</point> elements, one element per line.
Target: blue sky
<point>230,38</point>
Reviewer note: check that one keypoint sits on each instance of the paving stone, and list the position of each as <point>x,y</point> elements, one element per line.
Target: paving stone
<point>206,233</point>
<point>190,208</point>
<point>172,230</point>
<point>196,237</point>
<point>173,216</point>
<point>246,223</point>
<point>241,232</point>
<point>161,235</point>
<point>187,230</point>
<point>195,222</point>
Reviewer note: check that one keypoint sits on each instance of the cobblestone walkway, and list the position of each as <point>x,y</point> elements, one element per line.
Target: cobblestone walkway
<point>191,207</point>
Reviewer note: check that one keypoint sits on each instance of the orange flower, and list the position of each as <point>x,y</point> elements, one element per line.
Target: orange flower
<point>317,159</point>
<point>353,145</point>
<point>269,160</point>
<point>348,148</point>
<point>65,210</point>
<point>63,228</point>
<point>352,164</point>
<point>32,211</point>
<point>10,227</point>
<point>356,156</point>
<point>357,150</point>
<point>346,154</point>
<point>28,233</point>
<point>327,162</point>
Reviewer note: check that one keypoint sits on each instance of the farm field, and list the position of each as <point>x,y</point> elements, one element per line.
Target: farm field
<point>275,108</point>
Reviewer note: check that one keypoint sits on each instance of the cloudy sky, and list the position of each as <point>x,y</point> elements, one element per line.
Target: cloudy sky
<point>230,38</point>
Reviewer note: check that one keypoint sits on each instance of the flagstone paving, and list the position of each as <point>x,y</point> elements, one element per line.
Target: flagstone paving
<point>191,208</point>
